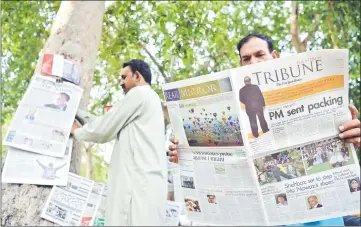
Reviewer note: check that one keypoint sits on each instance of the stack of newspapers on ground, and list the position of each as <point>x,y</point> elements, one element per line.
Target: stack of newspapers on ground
<point>259,145</point>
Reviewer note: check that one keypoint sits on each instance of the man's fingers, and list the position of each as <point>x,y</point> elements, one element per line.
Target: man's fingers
<point>355,141</point>
<point>174,140</point>
<point>354,111</point>
<point>172,147</point>
<point>355,132</point>
<point>355,123</point>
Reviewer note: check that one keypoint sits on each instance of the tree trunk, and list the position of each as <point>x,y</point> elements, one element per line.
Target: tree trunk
<point>75,33</point>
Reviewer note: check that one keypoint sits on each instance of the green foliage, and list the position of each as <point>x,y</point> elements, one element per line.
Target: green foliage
<point>25,28</point>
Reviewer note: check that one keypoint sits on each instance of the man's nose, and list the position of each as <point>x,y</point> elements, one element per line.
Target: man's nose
<point>254,60</point>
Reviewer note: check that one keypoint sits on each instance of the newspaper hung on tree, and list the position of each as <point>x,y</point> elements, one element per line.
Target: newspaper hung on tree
<point>258,145</point>
<point>44,117</point>
<point>58,65</point>
<point>91,206</point>
<point>23,167</point>
<point>99,215</point>
<point>65,205</point>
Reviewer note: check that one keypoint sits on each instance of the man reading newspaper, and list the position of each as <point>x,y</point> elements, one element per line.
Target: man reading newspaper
<point>255,48</point>
<point>137,182</point>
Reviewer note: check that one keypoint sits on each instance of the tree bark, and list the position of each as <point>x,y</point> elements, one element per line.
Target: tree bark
<point>89,161</point>
<point>301,46</point>
<point>75,33</point>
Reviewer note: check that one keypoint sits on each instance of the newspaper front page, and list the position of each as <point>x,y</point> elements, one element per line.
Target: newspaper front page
<point>283,163</point>
<point>65,205</point>
<point>293,100</point>
<point>44,117</point>
<point>23,167</point>
<point>215,176</point>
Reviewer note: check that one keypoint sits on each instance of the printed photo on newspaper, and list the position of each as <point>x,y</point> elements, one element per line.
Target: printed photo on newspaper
<point>65,205</point>
<point>23,167</point>
<point>44,117</point>
<point>173,213</point>
<point>290,166</point>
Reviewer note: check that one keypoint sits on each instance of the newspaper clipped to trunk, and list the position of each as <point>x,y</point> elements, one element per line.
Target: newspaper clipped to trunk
<point>23,167</point>
<point>258,145</point>
<point>58,65</point>
<point>94,212</point>
<point>65,205</point>
<point>44,117</point>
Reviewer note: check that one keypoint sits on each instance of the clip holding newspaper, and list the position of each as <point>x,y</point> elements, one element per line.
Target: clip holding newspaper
<point>44,117</point>
<point>258,145</point>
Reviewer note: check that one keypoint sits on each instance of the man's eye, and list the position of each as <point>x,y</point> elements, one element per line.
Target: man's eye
<point>260,55</point>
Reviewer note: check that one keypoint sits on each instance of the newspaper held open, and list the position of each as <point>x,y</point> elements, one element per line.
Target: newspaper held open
<point>264,150</point>
<point>23,167</point>
<point>43,119</point>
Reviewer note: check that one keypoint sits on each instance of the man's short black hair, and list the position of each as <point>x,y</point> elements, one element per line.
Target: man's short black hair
<point>142,67</point>
<point>255,35</point>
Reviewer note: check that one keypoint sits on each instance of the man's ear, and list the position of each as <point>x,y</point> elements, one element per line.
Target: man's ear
<point>274,54</point>
<point>137,76</point>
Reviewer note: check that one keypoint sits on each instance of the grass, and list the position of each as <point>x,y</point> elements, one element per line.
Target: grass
<point>325,166</point>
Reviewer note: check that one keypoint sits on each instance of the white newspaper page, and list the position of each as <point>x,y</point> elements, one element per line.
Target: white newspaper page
<point>293,100</point>
<point>99,214</point>
<point>174,183</point>
<point>216,177</point>
<point>65,205</point>
<point>173,213</point>
<point>310,182</point>
<point>23,167</point>
<point>91,206</point>
<point>44,117</point>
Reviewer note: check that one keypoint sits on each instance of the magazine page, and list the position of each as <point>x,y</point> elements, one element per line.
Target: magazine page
<point>293,100</point>
<point>92,203</point>
<point>216,177</point>
<point>44,117</point>
<point>23,167</point>
<point>65,205</point>
<point>310,182</point>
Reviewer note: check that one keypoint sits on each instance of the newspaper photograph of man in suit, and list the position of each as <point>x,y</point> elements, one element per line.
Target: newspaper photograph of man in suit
<point>251,96</point>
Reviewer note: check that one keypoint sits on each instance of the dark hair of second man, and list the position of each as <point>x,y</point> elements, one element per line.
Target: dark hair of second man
<point>142,67</point>
<point>255,35</point>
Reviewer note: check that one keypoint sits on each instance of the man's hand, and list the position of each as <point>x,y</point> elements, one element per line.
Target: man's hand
<point>173,153</point>
<point>75,126</point>
<point>350,130</point>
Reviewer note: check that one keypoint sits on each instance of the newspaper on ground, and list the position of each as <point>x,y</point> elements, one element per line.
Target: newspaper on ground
<point>44,117</point>
<point>173,213</point>
<point>58,65</point>
<point>23,167</point>
<point>65,205</point>
<point>92,203</point>
<point>258,145</point>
